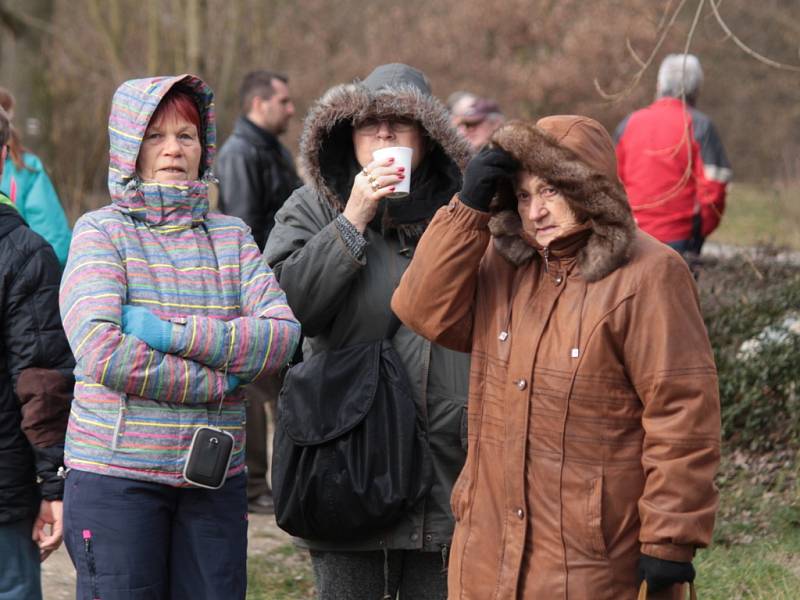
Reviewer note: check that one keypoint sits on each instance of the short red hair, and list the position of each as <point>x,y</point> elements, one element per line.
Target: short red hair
<point>178,103</point>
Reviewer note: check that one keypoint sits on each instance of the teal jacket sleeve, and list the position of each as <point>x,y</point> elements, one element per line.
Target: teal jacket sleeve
<point>38,203</point>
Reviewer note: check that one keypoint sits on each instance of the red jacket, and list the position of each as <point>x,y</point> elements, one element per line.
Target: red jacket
<point>673,165</point>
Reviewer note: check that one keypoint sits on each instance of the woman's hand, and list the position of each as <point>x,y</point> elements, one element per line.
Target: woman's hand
<point>140,322</point>
<point>483,173</point>
<point>375,181</point>
<point>48,527</point>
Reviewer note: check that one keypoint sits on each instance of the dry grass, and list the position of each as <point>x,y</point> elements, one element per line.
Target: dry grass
<point>761,215</point>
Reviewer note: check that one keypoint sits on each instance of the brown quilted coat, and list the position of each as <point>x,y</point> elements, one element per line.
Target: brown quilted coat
<point>593,409</point>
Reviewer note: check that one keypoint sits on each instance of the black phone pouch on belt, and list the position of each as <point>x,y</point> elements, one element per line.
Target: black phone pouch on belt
<point>209,458</point>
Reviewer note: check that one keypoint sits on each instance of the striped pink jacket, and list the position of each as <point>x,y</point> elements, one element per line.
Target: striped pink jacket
<point>157,246</point>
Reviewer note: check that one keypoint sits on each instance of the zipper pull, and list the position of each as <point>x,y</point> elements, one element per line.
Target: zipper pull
<point>503,336</point>
<point>546,259</point>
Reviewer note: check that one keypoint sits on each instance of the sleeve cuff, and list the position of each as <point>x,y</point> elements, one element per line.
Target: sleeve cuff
<point>674,552</point>
<point>178,342</point>
<point>465,216</point>
<point>352,237</point>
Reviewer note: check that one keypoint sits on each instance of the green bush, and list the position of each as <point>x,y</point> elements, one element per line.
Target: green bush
<point>759,388</point>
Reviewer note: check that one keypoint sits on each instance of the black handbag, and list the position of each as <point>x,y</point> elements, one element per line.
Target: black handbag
<point>350,451</point>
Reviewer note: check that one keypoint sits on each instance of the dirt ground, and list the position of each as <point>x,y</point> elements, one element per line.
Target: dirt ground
<point>58,575</point>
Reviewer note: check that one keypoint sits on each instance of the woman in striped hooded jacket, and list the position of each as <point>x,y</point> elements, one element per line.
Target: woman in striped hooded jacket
<point>168,308</point>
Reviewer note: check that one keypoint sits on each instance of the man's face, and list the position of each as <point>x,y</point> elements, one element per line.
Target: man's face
<point>274,113</point>
<point>478,132</point>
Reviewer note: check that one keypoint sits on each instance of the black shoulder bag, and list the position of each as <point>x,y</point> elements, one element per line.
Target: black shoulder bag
<point>350,452</point>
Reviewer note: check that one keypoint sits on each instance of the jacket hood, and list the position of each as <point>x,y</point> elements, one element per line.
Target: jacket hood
<point>326,146</point>
<point>132,107</point>
<point>576,155</point>
<point>10,219</point>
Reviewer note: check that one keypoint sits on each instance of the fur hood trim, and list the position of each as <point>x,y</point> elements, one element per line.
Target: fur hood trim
<point>576,155</point>
<point>328,126</point>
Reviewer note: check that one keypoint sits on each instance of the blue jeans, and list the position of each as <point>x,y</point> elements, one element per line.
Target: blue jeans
<point>20,575</point>
<point>137,540</point>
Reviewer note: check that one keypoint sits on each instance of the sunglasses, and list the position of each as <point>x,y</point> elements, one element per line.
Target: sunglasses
<point>371,125</point>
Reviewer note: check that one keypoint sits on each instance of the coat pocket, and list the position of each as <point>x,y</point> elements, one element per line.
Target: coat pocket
<point>594,517</point>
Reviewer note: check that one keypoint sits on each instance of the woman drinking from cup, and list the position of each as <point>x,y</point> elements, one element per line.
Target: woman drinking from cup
<point>339,247</point>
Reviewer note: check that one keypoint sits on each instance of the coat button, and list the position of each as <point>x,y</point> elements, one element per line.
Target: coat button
<point>520,513</point>
<point>559,279</point>
<point>429,538</point>
<point>414,536</point>
<point>522,384</point>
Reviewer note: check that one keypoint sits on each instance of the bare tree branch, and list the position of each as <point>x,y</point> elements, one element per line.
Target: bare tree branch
<point>744,47</point>
<point>9,20</point>
<point>153,36</point>
<point>616,97</point>
<point>107,35</point>
<point>633,53</point>
<point>192,36</point>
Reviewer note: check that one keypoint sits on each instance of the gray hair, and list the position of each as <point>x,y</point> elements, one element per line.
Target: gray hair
<point>5,129</point>
<point>680,75</point>
<point>455,97</point>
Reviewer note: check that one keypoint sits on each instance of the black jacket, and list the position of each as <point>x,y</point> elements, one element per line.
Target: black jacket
<point>256,176</point>
<point>36,365</point>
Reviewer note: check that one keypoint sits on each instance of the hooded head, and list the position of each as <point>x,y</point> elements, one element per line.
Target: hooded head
<point>132,109</point>
<point>392,90</point>
<point>576,155</point>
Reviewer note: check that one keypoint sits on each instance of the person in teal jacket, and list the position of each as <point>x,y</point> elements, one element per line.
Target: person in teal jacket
<point>26,183</point>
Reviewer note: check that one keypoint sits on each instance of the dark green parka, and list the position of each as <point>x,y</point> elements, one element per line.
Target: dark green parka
<point>341,300</point>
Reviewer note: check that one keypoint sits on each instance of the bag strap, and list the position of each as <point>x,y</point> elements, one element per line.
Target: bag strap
<point>643,591</point>
<point>392,327</point>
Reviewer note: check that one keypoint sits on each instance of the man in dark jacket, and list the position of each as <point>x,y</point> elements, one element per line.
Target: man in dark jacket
<point>256,175</point>
<point>256,172</point>
<point>36,385</point>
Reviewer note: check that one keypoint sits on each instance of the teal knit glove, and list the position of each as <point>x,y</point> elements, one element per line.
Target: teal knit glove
<point>140,322</point>
<point>232,383</point>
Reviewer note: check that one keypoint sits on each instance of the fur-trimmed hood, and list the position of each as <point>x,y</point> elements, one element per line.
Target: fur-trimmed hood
<point>576,155</point>
<point>326,147</point>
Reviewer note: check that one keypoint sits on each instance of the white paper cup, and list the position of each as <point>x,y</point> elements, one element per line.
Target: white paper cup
<point>402,158</point>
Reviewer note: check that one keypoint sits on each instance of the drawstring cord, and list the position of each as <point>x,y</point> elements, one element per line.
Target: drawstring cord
<point>576,352</point>
<point>505,333</point>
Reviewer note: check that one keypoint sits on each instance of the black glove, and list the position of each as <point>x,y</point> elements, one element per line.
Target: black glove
<point>660,574</point>
<point>483,172</point>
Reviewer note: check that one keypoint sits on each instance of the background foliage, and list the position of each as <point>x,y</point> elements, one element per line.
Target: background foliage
<point>742,298</point>
<point>536,57</point>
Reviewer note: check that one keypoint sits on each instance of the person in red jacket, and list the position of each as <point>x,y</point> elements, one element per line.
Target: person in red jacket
<point>672,162</point>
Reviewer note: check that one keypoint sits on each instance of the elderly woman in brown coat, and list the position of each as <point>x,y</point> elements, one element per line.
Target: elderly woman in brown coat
<point>594,408</point>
